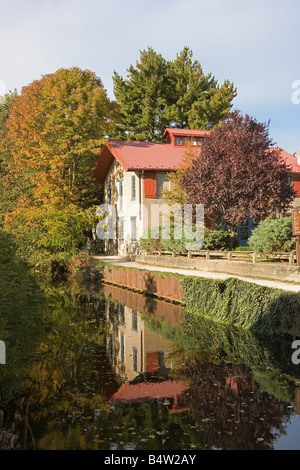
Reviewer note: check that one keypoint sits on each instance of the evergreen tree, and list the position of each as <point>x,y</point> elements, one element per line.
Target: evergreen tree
<point>158,93</point>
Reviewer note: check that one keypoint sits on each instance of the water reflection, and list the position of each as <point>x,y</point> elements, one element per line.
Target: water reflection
<point>113,369</point>
<point>240,390</point>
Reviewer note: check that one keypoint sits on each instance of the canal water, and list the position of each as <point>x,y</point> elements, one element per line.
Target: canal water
<point>111,369</point>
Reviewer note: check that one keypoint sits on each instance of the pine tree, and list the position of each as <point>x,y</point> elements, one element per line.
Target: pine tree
<point>158,93</point>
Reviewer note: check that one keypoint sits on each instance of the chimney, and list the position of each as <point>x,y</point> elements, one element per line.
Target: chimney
<point>298,157</point>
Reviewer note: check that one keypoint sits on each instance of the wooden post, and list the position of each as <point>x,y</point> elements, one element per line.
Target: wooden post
<point>296,233</point>
<point>254,257</point>
<point>229,256</point>
<point>207,255</point>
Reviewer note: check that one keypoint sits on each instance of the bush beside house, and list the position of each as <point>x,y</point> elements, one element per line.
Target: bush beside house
<point>163,239</point>
<point>273,236</point>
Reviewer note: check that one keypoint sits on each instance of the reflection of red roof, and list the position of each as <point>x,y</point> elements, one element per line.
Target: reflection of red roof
<point>147,391</point>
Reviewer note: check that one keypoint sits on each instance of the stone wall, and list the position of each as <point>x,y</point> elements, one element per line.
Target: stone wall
<point>239,268</point>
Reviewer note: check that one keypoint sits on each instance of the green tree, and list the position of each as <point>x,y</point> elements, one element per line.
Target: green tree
<point>158,93</point>
<point>8,193</point>
<point>55,130</point>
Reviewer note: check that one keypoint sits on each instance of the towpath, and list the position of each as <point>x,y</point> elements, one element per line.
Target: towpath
<point>124,261</point>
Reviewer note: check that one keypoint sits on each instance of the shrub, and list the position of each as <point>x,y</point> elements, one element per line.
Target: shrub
<point>152,240</point>
<point>273,236</point>
<point>218,240</point>
<point>167,240</point>
<point>170,240</point>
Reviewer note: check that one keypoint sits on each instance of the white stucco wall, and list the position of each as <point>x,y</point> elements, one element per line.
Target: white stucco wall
<point>138,207</point>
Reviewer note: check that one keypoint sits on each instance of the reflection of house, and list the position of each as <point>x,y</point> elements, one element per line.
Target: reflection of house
<point>132,347</point>
<point>134,174</point>
<point>139,358</point>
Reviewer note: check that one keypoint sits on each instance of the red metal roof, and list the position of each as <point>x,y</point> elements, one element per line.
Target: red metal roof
<point>289,159</point>
<point>186,132</point>
<point>136,155</point>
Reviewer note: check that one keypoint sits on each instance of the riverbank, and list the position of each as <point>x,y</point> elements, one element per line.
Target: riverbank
<point>125,261</point>
<point>250,304</point>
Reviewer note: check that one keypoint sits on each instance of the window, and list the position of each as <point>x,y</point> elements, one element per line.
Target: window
<point>133,187</point>
<point>109,192</point>
<point>162,183</point>
<point>121,194</point>
<point>177,141</point>
<point>122,348</point>
<point>121,228</point>
<point>134,320</point>
<point>122,316</point>
<point>134,357</point>
<point>133,228</point>
<point>110,347</point>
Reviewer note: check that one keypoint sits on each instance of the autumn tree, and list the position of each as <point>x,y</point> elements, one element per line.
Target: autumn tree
<point>158,93</point>
<point>239,174</point>
<point>55,130</point>
<point>8,193</point>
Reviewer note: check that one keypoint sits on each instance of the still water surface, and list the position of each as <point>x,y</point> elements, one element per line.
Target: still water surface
<point>112,369</point>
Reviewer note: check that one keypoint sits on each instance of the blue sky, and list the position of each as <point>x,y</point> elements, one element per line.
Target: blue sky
<point>253,43</point>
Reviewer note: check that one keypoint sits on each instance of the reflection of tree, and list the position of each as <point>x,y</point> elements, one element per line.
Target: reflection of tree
<point>231,407</point>
<point>60,388</point>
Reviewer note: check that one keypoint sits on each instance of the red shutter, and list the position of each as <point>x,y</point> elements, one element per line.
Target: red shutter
<point>150,184</point>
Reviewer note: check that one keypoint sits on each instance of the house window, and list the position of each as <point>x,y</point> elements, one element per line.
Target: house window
<point>122,316</point>
<point>134,320</point>
<point>177,140</point>
<point>122,348</point>
<point>121,229</point>
<point>162,183</point>
<point>133,228</point>
<point>110,347</point>
<point>134,358</point>
<point>109,192</point>
<point>121,194</point>
<point>133,187</point>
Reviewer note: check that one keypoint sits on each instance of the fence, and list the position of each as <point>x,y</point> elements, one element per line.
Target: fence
<point>248,256</point>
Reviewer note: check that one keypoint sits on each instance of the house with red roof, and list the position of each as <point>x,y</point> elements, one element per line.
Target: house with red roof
<point>134,173</point>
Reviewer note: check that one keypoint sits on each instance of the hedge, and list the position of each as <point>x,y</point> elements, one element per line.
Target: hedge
<point>232,301</point>
<point>166,240</point>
